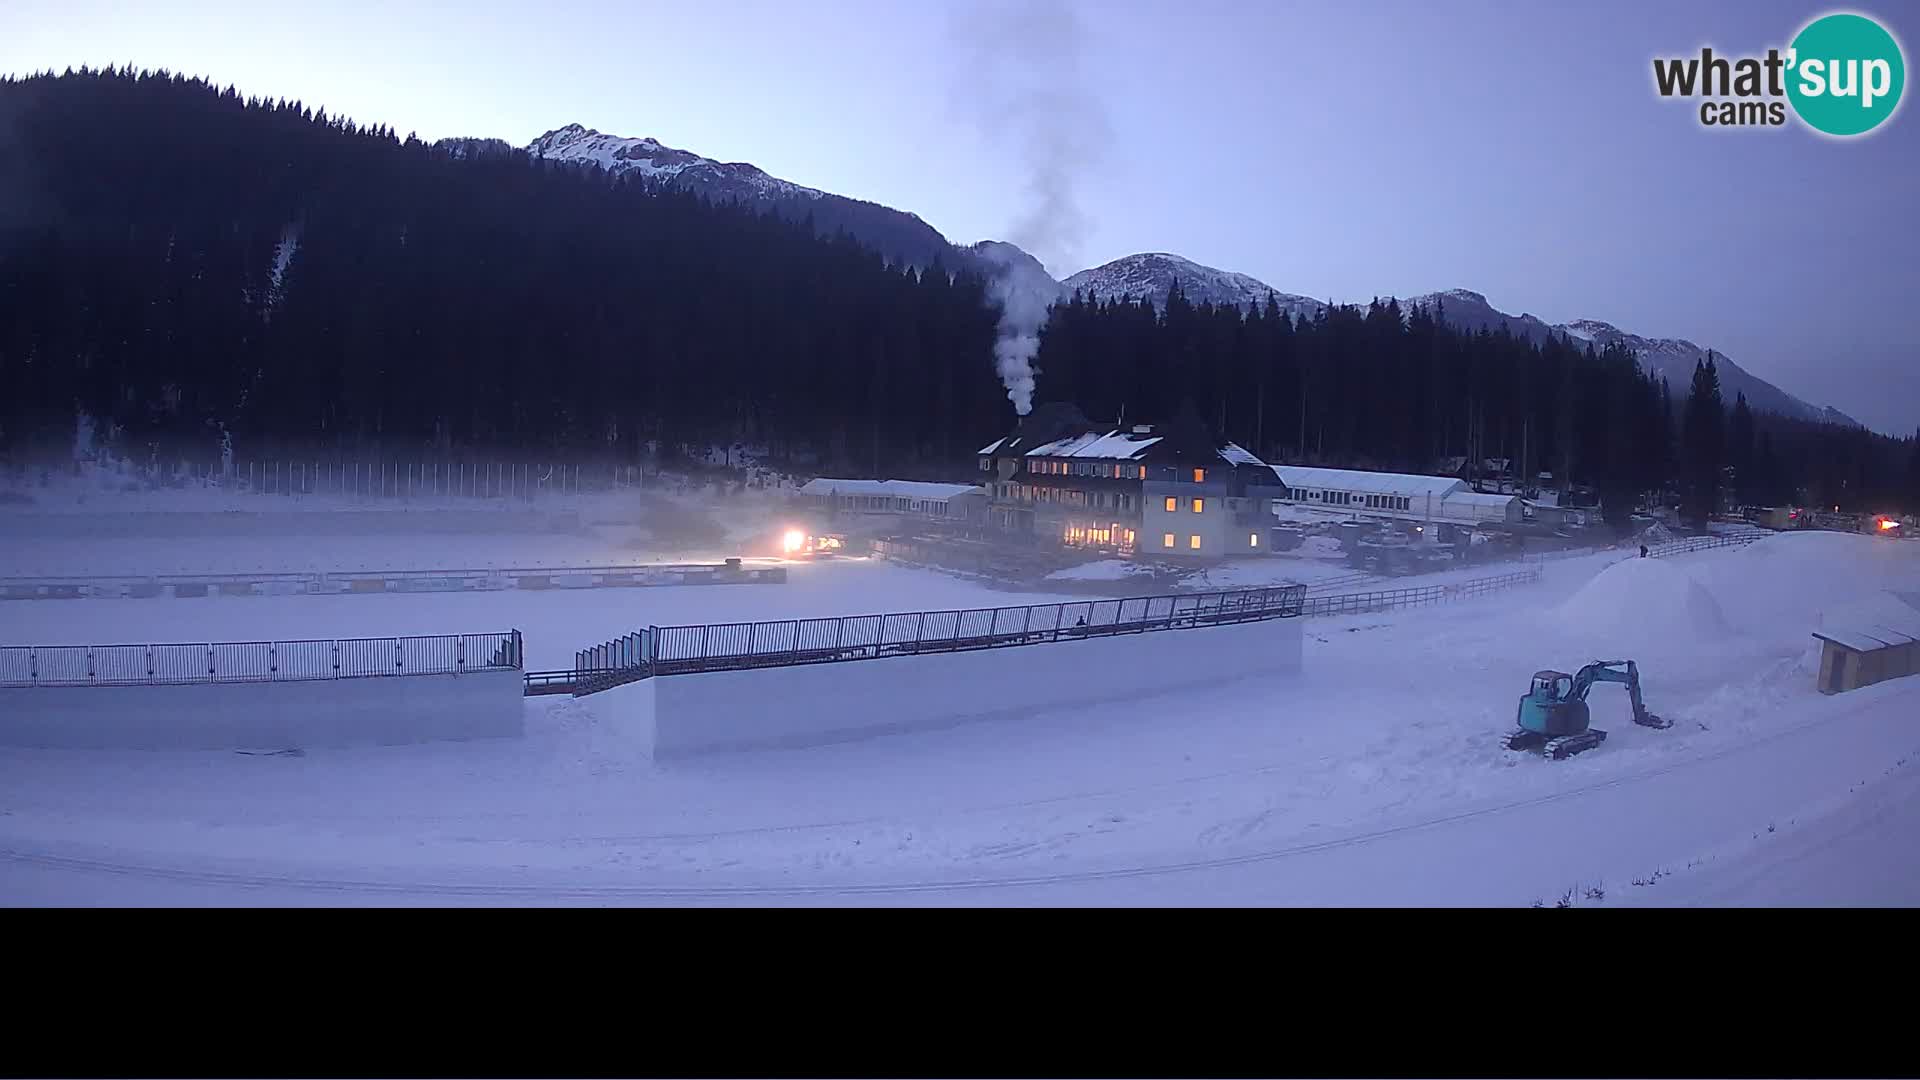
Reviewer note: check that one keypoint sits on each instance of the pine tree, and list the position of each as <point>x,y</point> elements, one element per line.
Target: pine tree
<point>1911,496</point>
<point>1740,449</point>
<point>1703,439</point>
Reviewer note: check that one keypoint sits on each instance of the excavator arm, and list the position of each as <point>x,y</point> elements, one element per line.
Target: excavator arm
<point>1625,672</point>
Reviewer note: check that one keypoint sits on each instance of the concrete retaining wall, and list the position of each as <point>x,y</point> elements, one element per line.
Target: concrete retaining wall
<point>267,715</point>
<point>681,715</point>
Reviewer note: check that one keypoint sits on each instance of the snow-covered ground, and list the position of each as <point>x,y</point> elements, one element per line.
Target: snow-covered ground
<point>555,622</point>
<point>1376,777</point>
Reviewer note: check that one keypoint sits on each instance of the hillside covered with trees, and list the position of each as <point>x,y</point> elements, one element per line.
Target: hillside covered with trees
<point>181,265</point>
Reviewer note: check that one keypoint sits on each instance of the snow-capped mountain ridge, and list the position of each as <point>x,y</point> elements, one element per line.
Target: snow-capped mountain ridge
<point>1152,275</point>
<point>650,157</point>
<point>902,235</point>
<point>897,235</point>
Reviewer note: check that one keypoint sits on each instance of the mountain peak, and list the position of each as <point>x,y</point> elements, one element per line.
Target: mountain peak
<point>1152,274</point>
<point>895,234</point>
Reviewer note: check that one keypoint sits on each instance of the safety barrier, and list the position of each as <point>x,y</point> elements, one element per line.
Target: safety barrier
<point>680,650</point>
<point>1702,543</point>
<point>257,661</point>
<point>364,581</point>
<point>1418,596</point>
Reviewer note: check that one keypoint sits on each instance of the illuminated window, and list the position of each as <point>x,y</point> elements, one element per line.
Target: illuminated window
<point>1167,540</point>
<point>1253,540</point>
<point>1198,504</point>
<point>1173,506</point>
<point>1194,541</point>
<point>1199,476</point>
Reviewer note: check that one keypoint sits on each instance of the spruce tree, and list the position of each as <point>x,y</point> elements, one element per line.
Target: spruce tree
<point>1740,448</point>
<point>1703,439</point>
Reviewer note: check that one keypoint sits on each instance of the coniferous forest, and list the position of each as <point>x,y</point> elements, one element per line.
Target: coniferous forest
<point>182,264</point>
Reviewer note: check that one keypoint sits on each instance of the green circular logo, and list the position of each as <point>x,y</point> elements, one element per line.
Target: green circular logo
<point>1845,74</point>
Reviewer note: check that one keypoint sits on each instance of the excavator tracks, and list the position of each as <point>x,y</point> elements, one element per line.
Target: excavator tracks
<point>1556,749</point>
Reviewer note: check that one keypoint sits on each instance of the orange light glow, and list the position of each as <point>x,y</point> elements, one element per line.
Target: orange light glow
<point>1886,524</point>
<point>793,541</point>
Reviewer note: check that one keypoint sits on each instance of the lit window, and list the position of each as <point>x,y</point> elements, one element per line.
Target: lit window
<point>1253,540</point>
<point>1199,476</point>
<point>1194,541</point>
<point>1167,540</point>
<point>1173,506</point>
<point>1198,505</point>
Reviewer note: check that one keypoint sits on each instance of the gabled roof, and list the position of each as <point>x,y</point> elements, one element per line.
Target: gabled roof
<point>1378,483</point>
<point>1479,498</point>
<point>1102,445</point>
<point>1239,455</point>
<point>901,489</point>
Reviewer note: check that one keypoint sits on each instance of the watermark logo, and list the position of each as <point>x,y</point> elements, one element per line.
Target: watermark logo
<point>1842,76</point>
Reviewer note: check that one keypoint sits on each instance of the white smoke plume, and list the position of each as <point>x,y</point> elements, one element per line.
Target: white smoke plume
<point>1021,82</point>
<point>1023,291</point>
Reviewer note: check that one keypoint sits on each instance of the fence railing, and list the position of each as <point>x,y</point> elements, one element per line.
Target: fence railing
<point>680,650</point>
<point>1702,543</point>
<point>413,479</point>
<point>257,661</point>
<point>1417,596</point>
<point>618,575</point>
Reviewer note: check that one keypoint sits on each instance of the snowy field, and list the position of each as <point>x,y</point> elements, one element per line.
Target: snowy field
<point>1375,778</point>
<point>555,622</point>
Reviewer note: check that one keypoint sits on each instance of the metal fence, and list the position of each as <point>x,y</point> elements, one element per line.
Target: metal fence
<point>419,479</point>
<point>679,650</point>
<point>257,661</point>
<point>1418,596</point>
<point>1702,543</point>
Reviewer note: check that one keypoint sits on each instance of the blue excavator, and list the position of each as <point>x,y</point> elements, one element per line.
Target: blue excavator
<point>1552,718</point>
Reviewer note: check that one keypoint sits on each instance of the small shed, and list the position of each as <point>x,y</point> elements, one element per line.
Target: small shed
<point>1857,656</point>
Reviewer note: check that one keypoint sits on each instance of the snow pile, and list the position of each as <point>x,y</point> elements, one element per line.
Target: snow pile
<point>1656,533</point>
<point>1792,583</point>
<point>1321,547</point>
<point>1103,570</point>
<point>1635,599</point>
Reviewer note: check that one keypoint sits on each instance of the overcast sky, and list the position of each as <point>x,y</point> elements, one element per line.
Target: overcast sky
<point>1340,149</point>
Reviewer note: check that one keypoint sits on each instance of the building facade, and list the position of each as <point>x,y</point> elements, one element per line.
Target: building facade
<point>1142,490</point>
<point>1404,497</point>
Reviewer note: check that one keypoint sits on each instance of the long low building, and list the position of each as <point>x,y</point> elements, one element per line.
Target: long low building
<point>1395,496</point>
<point>893,497</point>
